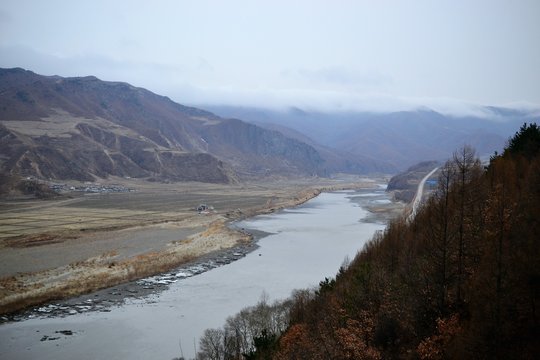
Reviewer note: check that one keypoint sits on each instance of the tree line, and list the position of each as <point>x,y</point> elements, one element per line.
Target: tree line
<point>461,280</point>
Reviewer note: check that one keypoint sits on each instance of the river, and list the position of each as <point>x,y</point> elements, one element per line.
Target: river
<point>304,245</point>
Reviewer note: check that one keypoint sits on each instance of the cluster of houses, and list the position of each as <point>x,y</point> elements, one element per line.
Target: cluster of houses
<point>90,188</point>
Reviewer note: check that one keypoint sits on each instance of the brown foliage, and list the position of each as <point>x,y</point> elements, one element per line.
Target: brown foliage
<point>434,347</point>
<point>462,280</point>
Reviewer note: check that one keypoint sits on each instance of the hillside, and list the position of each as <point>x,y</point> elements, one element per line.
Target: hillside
<point>84,128</point>
<point>401,138</point>
<point>461,280</point>
<point>336,161</point>
<point>404,185</point>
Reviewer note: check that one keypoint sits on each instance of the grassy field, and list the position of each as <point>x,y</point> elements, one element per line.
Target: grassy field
<point>55,248</point>
<point>105,211</point>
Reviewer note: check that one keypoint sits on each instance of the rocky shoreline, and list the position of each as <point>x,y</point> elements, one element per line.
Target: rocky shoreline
<point>103,300</point>
<point>103,282</point>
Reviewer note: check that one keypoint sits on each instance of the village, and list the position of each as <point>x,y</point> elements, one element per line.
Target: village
<point>90,188</point>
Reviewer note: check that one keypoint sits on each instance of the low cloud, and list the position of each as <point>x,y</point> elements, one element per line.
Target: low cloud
<point>335,101</point>
<point>344,91</point>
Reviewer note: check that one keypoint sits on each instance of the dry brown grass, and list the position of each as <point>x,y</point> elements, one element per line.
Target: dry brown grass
<point>36,240</point>
<point>19,292</point>
<point>110,269</point>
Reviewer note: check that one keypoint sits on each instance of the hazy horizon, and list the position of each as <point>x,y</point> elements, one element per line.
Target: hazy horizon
<point>452,56</point>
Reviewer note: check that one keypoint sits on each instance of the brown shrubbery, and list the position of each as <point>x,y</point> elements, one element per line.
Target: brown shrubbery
<point>462,280</point>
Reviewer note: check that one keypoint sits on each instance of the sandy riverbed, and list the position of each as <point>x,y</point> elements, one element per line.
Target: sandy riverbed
<point>92,242</point>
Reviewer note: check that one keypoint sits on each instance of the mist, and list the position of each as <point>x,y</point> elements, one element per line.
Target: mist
<point>352,56</point>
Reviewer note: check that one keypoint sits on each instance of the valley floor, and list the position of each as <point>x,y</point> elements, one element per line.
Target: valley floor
<point>61,248</point>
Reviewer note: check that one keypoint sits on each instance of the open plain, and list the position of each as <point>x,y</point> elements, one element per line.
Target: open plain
<point>52,249</point>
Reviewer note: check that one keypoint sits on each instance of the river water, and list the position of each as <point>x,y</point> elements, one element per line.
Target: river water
<point>305,245</point>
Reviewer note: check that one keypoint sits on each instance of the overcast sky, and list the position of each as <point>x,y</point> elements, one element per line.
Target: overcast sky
<point>372,55</point>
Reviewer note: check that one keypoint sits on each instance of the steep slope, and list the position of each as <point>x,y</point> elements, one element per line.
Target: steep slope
<point>264,150</point>
<point>399,138</point>
<point>336,161</point>
<point>315,130</point>
<point>83,128</point>
<point>460,280</point>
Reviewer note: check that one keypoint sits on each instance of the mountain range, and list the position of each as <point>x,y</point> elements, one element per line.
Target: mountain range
<point>83,128</point>
<point>401,139</point>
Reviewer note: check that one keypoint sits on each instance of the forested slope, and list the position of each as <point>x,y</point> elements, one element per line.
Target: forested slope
<point>461,281</point>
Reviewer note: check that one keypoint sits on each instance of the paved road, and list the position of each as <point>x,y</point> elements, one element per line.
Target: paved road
<point>419,193</point>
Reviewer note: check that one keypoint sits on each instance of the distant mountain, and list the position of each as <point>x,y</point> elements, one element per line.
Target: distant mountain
<point>400,138</point>
<point>84,128</point>
<point>336,161</point>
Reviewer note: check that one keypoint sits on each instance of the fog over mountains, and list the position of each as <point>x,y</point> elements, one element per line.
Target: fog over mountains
<point>84,128</point>
<point>401,138</point>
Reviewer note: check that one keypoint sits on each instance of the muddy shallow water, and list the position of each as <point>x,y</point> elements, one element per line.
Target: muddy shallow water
<point>305,245</point>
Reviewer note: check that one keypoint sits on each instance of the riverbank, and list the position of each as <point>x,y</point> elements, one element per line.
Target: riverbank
<point>135,252</point>
<point>105,299</point>
<point>306,244</point>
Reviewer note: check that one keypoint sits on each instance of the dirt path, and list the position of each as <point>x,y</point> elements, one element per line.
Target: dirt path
<point>419,194</point>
